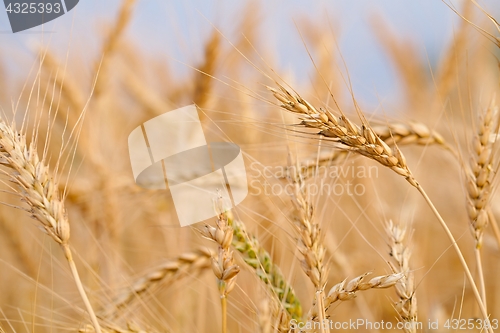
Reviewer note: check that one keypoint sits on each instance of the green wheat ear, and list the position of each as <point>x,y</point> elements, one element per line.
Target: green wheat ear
<point>259,259</point>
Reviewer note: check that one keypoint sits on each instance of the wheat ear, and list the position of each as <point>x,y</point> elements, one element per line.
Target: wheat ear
<point>309,240</point>
<point>223,264</point>
<point>362,140</point>
<point>479,180</point>
<point>186,263</point>
<point>365,142</point>
<point>412,133</point>
<point>479,177</point>
<point>39,190</point>
<point>260,260</point>
<point>405,287</point>
<point>345,291</point>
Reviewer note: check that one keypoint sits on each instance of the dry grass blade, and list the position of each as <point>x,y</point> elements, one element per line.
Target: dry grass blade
<point>405,287</point>
<point>40,192</point>
<point>186,264</point>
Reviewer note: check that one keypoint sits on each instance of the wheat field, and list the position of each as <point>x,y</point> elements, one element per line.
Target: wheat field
<point>358,218</point>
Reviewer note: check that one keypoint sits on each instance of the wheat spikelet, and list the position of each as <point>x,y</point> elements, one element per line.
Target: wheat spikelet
<point>309,240</point>
<point>39,190</point>
<point>410,133</point>
<point>362,140</point>
<point>309,231</point>
<point>479,178</point>
<point>405,287</point>
<point>392,134</point>
<point>345,291</point>
<point>187,263</point>
<point>223,263</point>
<point>36,187</point>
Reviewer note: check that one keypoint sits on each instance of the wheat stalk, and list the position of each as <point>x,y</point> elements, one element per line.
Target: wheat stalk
<point>365,142</point>
<point>405,287</point>
<point>40,191</point>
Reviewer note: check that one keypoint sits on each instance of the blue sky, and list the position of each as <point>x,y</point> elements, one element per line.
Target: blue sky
<point>177,29</point>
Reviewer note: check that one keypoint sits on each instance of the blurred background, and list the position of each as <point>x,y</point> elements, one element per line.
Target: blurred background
<point>174,32</point>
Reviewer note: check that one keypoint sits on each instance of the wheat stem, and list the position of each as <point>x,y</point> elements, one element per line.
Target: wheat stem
<point>468,274</point>
<point>321,312</point>
<point>79,286</point>
<point>482,287</point>
<point>223,303</point>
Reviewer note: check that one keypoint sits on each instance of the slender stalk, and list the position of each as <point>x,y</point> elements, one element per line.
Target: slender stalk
<point>468,274</point>
<point>223,303</point>
<point>79,286</point>
<point>482,287</point>
<point>494,225</point>
<point>321,312</point>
